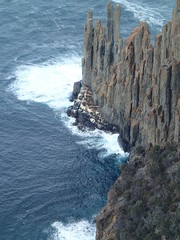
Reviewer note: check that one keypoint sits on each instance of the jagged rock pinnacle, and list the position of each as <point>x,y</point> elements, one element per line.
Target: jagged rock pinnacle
<point>178,4</point>
<point>136,85</point>
<point>88,53</point>
<point>117,23</point>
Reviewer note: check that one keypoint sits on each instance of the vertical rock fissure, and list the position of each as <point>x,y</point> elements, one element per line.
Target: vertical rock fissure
<point>134,79</point>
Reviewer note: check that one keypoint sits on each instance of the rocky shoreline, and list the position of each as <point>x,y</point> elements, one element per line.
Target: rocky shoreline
<point>86,112</point>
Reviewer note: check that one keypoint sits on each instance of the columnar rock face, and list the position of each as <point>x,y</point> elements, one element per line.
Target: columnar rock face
<point>135,84</point>
<point>88,50</point>
<point>136,87</point>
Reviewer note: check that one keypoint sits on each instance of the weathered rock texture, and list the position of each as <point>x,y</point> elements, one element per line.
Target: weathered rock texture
<point>135,84</point>
<point>144,202</point>
<point>86,112</point>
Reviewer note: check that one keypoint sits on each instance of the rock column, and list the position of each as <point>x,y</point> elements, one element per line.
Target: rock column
<point>87,61</point>
<point>136,85</point>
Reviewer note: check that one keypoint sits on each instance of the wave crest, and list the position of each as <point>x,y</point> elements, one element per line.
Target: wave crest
<point>49,83</point>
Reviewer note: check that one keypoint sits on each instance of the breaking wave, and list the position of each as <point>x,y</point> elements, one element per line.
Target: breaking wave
<point>82,230</point>
<point>51,84</point>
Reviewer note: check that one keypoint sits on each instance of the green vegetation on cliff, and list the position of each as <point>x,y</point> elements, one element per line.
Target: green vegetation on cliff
<point>135,86</point>
<point>144,203</point>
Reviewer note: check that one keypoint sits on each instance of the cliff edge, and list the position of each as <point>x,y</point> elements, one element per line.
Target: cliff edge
<point>135,84</point>
<point>144,203</point>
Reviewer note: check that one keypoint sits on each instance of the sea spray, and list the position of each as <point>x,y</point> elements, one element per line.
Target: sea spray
<point>82,230</point>
<point>51,83</point>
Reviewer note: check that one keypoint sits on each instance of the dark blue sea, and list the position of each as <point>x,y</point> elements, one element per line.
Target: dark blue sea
<point>54,179</point>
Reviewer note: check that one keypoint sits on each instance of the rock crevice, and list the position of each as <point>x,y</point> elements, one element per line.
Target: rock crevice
<point>135,84</point>
<point>133,87</point>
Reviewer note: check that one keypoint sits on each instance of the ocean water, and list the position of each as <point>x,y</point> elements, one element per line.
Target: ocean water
<point>54,179</point>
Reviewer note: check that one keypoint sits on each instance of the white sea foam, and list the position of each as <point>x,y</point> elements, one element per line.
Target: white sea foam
<point>82,230</point>
<point>102,140</point>
<point>49,83</point>
<point>96,139</point>
<point>143,12</point>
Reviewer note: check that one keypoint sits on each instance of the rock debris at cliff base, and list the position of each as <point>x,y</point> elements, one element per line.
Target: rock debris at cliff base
<point>86,113</point>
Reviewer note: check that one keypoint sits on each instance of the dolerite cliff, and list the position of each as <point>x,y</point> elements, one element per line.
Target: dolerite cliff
<point>134,86</point>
